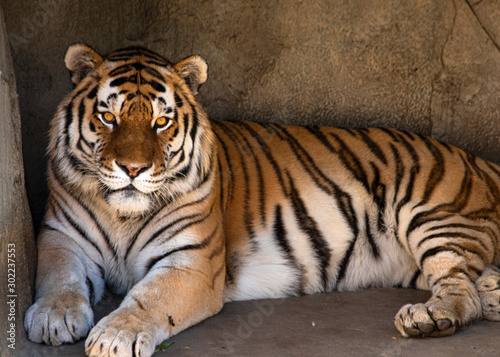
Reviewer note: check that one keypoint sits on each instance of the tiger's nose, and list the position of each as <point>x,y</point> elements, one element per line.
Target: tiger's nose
<point>132,170</point>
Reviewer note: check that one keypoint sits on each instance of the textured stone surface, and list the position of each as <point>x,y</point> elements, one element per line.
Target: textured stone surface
<point>427,66</point>
<point>17,245</point>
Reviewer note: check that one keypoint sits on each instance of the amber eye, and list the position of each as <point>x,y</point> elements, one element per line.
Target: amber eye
<point>108,118</point>
<point>162,123</point>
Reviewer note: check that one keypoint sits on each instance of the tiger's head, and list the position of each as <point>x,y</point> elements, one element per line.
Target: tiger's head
<point>131,130</point>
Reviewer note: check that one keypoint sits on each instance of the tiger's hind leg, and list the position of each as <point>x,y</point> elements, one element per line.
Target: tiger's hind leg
<point>455,300</point>
<point>488,286</point>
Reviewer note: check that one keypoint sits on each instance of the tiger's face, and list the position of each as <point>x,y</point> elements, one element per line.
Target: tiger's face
<point>139,135</point>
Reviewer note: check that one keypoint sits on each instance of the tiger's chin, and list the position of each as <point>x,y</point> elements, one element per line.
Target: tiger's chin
<point>129,202</point>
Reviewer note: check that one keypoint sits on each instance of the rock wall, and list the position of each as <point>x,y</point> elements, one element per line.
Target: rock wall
<point>17,244</point>
<point>427,66</point>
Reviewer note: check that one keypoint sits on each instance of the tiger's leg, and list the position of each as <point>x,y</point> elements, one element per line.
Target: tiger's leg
<point>66,283</point>
<point>450,272</point>
<point>170,298</point>
<point>488,286</point>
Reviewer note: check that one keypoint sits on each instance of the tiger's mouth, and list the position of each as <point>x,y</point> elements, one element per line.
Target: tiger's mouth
<point>129,191</point>
<point>128,200</point>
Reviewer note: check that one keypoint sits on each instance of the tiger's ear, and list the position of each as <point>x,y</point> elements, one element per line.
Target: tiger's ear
<point>194,71</point>
<point>80,61</point>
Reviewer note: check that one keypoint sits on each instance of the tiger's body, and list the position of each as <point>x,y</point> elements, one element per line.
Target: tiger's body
<point>182,214</point>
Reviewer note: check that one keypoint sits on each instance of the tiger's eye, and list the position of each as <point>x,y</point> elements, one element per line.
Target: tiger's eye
<point>161,121</point>
<point>109,117</point>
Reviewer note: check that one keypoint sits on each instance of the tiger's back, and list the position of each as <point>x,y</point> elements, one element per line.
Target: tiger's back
<point>313,209</point>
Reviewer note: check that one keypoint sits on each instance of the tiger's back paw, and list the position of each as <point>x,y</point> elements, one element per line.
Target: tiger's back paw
<point>422,320</point>
<point>58,319</point>
<point>488,287</point>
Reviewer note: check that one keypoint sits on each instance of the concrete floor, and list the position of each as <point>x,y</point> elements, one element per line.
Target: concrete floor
<point>337,324</point>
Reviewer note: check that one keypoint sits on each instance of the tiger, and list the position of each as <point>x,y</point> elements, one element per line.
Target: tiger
<point>181,214</point>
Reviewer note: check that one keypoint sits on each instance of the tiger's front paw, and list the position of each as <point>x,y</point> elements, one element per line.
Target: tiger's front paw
<point>57,319</point>
<point>422,320</point>
<point>120,334</point>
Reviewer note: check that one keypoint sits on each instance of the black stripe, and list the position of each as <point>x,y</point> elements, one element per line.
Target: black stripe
<point>112,96</point>
<point>128,53</point>
<point>373,146</point>
<point>452,273</point>
<point>399,172</point>
<point>342,198</point>
<point>203,244</point>
<point>76,163</point>
<point>229,164</point>
<point>479,228</point>
<point>318,134</point>
<point>446,146</point>
<point>411,136</point>
<point>221,185</point>
<point>306,161</point>
<point>413,281</point>
<point>180,229</point>
<point>247,214</point>
<point>280,236</point>
<point>437,171</point>
<point>153,72</point>
<point>194,126</point>
<point>424,217</point>
<point>436,250</point>
<point>258,170</point>
<point>266,150</point>
<point>120,70</point>
<point>310,228</point>
<point>460,235</point>
<point>49,227</point>
<point>492,184</point>
<point>185,126</point>
<point>493,168</point>
<point>155,85</point>
<point>93,93</point>
<point>122,80</point>
<point>91,289</point>
<point>178,101</point>
<point>456,206</point>
<point>164,217</point>
<point>344,262</point>
<point>414,170</point>
<point>81,114</point>
<point>195,146</point>
<point>170,225</point>
<point>280,233</point>
<point>378,191</point>
<point>89,212</point>
<point>369,237</point>
<point>391,133</point>
<point>138,66</point>
<point>351,161</point>
<point>74,224</point>
<point>352,132</point>
<point>69,120</point>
